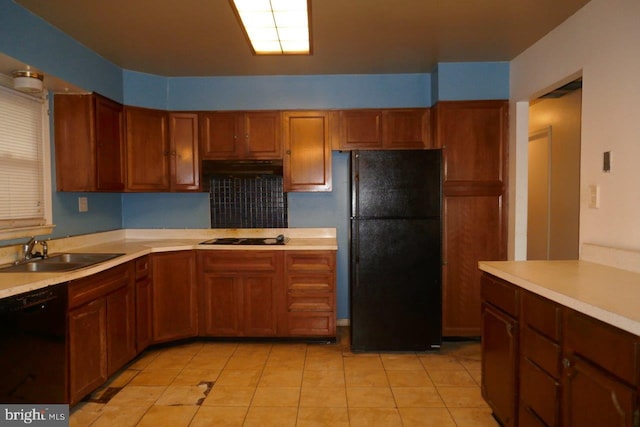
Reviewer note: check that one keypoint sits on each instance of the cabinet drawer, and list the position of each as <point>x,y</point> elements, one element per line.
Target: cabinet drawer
<point>311,324</point>
<point>239,260</point>
<point>310,302</point>
<point>142,267</point>
<point>307,261</point>
<point>310,283</point>
<point>541,351</point>
<point>89,288</point>
<point>542,315</point>
<point>539,393</point>
<point>611,348</point>
<point>500,294</point>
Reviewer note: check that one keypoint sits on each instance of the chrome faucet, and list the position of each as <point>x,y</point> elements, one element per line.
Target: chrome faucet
<point>27,249</point>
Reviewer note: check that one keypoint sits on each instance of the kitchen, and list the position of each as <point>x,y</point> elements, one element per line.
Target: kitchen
<point>607,69</point>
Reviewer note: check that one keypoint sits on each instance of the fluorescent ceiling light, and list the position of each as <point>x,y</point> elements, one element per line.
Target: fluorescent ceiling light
<point>275,27</point>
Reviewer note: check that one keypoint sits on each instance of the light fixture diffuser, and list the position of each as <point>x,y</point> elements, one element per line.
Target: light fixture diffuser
<point>275,27</point>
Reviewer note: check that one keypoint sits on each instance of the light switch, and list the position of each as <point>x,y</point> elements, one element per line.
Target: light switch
<point>594,196</point>
<point>606,161</point>
<point>83,204</point>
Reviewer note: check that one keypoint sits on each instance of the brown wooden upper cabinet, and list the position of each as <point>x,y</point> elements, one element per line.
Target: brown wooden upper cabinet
<point>307,160</point>
<point>375,129</point>
<point>240,135</point>
<point>89,143</point>
<point>162,150</point>
<point>147,149</point>
<point>184,160</point>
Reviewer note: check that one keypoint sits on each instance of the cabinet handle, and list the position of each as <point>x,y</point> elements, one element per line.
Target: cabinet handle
<point>288,151</point>
<point>509,329</point>
<point>566,363</point>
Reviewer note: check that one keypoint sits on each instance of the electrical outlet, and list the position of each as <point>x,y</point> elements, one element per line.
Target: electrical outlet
<point>83,204</point>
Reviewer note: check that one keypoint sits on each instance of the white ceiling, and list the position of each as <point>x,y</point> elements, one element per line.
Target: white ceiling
<point>203,37</point>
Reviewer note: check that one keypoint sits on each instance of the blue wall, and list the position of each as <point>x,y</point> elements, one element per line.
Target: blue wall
<point>57,54</point>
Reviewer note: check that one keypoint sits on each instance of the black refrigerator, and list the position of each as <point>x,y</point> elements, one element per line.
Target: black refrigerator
<point>396,250</point>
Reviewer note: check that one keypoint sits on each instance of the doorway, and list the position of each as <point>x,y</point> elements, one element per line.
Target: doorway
<point>553,219</point>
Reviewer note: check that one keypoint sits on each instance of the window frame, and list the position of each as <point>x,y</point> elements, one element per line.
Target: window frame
<point>36,230</point>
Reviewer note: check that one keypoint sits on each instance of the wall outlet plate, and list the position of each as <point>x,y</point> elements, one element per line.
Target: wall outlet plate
<point>594,196</point>
<point>83,204</point>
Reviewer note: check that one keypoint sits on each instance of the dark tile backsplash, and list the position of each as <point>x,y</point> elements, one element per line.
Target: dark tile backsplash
<point>248,202</point>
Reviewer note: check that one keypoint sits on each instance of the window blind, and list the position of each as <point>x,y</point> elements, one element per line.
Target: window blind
<point>21,158</point>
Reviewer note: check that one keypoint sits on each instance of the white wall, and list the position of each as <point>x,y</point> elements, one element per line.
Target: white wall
<point>562,116</point>
<point>600,42</point>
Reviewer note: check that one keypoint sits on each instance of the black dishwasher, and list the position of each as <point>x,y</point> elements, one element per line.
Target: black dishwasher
<point>33,329</point>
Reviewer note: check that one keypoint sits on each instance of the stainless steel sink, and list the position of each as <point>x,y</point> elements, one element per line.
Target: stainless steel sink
<point>59,263</point>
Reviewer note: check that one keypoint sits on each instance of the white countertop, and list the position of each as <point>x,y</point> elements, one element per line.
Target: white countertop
<point>609,294</point>
<point>136,243</point>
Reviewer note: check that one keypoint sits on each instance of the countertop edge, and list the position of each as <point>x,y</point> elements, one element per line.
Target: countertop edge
<point>605,315</point>
<point>132,249</point>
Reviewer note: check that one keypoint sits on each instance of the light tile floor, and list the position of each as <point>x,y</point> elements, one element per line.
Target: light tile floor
<point>291,384</point>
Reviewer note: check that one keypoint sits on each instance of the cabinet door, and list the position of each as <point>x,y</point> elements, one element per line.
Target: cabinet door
<point>499,357</point>
<point>175,311</point>
<point>147,150</point>
<point>184,158</point>
<point>259,305</point>
<point>87,348</point>
<point>74,143</point>
<point>593,398</point>
<point>109,130</point>
<point>221,135</point>
<point>262,135</point>
<point>471,233</point>
<point>360,129</point>
<point>221,304</point>
<point>307,163</point>
<point>406,129</point>
<point>121,327</point>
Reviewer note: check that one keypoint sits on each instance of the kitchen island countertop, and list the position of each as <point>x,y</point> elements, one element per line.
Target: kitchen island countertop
<point>609,294</point>
<point>136,243</point>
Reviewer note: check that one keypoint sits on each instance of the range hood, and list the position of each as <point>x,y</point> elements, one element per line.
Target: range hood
<point>241,167</point>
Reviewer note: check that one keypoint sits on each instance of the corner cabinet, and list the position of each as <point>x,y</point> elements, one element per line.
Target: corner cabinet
<point>307,143</point>
<point>174,295</point>
<point>89,143</point>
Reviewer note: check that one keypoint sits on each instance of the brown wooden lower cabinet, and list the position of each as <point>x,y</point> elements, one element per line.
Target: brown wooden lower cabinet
<point>573,370</point>
<point>311,296</point>
<point>87,348</point>
<point>114,315</point>
<point>239,292</point>
<point>499,356</point>
<point>121,327</point>
<point>174,295</point>
<point>101,328</point>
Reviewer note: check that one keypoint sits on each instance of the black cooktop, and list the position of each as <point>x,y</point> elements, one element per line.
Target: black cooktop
<point>278,240</point>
